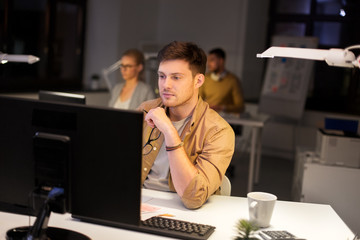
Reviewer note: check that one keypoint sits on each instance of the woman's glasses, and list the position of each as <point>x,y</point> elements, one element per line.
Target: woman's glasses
<point>125,67</point>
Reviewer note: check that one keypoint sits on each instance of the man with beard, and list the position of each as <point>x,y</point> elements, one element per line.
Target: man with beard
<point>187,146</point>
<point>222,89</point>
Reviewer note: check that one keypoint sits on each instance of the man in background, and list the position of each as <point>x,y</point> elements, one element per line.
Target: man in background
<point>221,89</point>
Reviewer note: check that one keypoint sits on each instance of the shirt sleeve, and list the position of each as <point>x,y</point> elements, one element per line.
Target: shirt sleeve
<point>211,163</point>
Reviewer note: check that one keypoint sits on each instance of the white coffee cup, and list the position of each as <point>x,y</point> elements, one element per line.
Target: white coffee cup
<point>261,206</point>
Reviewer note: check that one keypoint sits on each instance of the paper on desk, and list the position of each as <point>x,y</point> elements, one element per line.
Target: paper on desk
<point>145,198</point>
<point>146,208</point>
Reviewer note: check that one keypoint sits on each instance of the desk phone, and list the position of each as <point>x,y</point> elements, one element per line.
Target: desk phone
<point>278,235</point>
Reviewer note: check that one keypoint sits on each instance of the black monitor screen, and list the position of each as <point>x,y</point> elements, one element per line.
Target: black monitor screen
<point>61,97</point>
<point>92,152</point>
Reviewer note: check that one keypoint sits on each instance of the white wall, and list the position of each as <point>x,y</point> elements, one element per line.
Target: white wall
<point>208,23</point>
<point>102,37</point>
<point>138,23</point>
<point>116,25</point>
<point>254,42</point>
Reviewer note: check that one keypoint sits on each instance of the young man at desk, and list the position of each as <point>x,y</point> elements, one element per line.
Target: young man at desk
<point>188,146</point>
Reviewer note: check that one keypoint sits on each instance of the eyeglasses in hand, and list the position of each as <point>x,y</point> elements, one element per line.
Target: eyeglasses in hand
<point>148,147</point>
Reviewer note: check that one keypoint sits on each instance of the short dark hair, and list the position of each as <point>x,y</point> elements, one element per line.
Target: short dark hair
<point>218,52</point>
<point>187,51</point>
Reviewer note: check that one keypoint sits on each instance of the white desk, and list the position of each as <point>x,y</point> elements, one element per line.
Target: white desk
<point>310,221</point>
<point>256,123</point>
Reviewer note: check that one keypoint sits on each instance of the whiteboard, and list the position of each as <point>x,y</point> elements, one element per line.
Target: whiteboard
<point>287,79</point>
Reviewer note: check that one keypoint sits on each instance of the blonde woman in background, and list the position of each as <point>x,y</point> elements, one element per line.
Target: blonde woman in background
<point>133,91</point>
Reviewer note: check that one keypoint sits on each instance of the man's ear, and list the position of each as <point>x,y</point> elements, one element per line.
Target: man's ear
<point>199,80</point>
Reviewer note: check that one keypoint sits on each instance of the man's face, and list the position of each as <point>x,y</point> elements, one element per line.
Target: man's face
<point>213,63</point>
<point>176,83</point>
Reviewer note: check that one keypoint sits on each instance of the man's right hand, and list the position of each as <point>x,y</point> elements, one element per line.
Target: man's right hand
<point>157,117</point>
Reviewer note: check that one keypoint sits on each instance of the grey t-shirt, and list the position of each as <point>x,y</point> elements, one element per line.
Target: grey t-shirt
<point>159,173</point>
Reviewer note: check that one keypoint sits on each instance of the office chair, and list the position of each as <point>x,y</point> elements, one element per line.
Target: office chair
<point>225,187</point>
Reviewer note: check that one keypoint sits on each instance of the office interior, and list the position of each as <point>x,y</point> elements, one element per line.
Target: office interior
<point>243,28</point>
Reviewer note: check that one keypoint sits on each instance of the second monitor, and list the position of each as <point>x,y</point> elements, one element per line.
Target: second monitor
<point>62,97</point>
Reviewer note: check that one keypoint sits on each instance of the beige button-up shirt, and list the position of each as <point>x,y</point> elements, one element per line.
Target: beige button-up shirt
<point>209,143</point>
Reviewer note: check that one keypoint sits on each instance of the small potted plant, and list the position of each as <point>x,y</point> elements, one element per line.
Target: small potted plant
<point>245,230</point>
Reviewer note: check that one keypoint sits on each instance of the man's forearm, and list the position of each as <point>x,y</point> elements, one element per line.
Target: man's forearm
<point>181,169</point>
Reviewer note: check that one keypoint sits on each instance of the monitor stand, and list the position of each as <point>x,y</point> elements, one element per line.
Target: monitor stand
<point>53,233</point>
<point>41,231</point>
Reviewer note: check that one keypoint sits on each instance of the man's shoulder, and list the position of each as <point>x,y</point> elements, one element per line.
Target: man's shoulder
<point>216,127</point>
<point>215,120</point>
<point>231,76</point>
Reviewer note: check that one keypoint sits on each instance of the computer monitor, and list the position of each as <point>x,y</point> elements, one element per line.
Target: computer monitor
<point>62,97</point>
<point>96,151</point>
